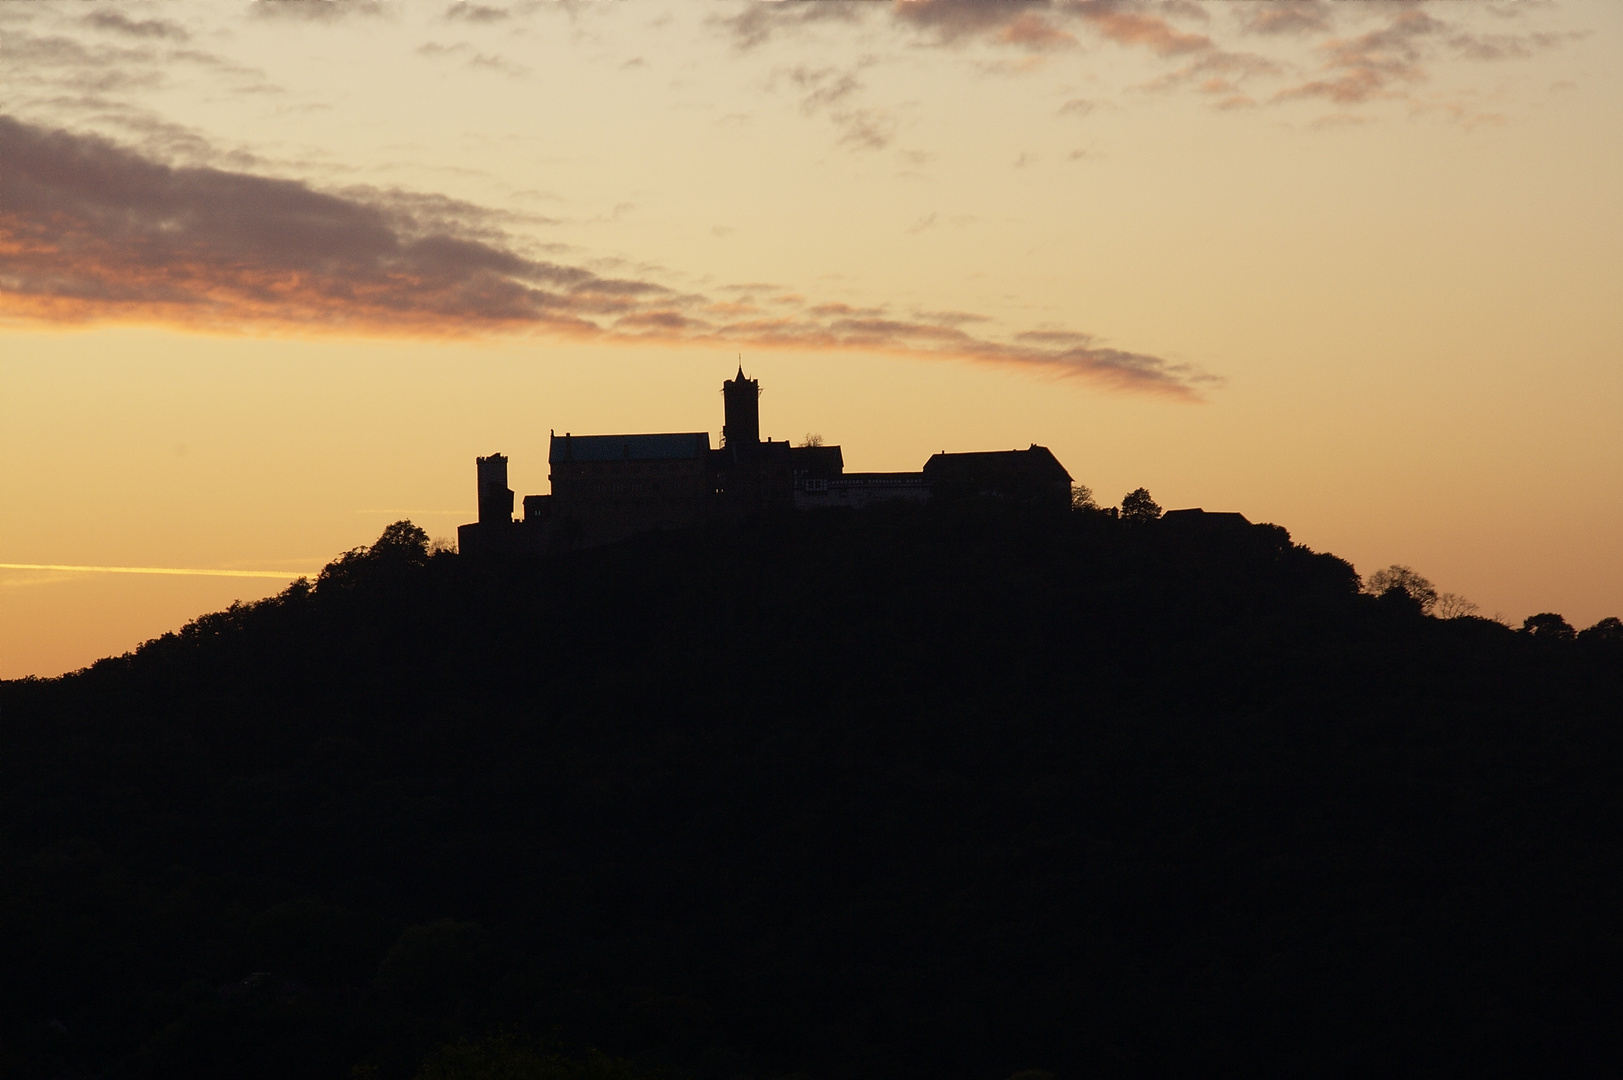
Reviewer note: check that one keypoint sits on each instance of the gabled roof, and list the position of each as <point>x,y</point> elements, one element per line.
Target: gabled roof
<point>1197,516</point>
<point>666,446</point>
<point>1034,465</point>
<point>819,461</point>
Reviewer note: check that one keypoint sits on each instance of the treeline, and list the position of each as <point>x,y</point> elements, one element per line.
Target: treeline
<point>919,792</point>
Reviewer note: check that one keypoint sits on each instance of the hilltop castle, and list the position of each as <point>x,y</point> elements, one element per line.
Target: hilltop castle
<point>608,487</point>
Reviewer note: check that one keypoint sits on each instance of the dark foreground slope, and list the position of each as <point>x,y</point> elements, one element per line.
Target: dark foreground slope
<point>912,794</point>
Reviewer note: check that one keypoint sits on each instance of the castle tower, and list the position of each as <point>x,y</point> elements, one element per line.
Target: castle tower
<point>495,497</point>
<point>741,428</point>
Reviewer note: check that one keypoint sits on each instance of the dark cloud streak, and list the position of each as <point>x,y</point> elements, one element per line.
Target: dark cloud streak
<point>90,231</point>
<point>119,23</point>
<point>316,10</point>
<point>1353,70</point>
<point>1287,18</point>
<point>758,23</point>
<point>476,13</point>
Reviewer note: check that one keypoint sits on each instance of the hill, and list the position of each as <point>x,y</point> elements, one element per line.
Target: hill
<point>927,792</point>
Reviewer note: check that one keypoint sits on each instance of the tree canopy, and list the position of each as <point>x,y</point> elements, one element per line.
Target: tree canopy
<point>955,793</point>
<point>1405,580</point>
<point>1138,506</point>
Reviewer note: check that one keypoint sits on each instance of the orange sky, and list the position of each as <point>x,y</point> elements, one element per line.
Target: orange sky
<point>272,273</point>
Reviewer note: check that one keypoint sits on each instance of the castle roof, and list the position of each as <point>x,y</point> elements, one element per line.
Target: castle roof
<point>819,461</point>
<point>1197,516</point>
<point>665,446</point>
<point>1034,465</point>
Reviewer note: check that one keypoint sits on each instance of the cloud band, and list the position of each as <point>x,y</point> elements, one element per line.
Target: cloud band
<point>90,231</point>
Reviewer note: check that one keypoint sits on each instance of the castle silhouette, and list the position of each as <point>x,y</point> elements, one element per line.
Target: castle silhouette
<point>608,487</point>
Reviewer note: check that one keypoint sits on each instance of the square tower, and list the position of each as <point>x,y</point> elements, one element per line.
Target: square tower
<point>741,426</point>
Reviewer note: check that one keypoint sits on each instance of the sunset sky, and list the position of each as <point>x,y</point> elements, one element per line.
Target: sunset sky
<point>272,273</point>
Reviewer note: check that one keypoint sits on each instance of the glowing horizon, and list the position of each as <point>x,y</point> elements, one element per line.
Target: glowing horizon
<point>277,574</point>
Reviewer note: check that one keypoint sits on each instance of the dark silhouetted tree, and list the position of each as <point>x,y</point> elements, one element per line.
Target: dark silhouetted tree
<point>1607,629</point>
<point>403,546</point>
<point>1137,505</point>
<point>402,540</point>
<point>1453,606</point>
<point>1420,590</point>
<point>682,850</point>
<point>1082,498</point>
<point>1548,625</point>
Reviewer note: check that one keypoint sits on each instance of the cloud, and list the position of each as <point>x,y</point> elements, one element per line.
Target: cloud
<point>829,90</point>
<point>952,21</point>
<point>433,50</point>
<point>1351,70</point>
<point>497,62</point>
<point>1037,25</point>
<point>316,10</point>
<point>1382,62</point>
<point>97,68</point>
<point>1220,73</point>
<point>1507,46</point>
<point>64,62</point>
<point>119,23</point>
<point>1129,27</point>
<point>157,136</point>
<point>1028,24</point>
<point>758,23</point>
<point>476,13</point>
<point>1364,67</point>
<point>865,129</point>
<point>1035,33</point>
<point>823,86</point>
<point>93,232</point>
<point>1285,17</point>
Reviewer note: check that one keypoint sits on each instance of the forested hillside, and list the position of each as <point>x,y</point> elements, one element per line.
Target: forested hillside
<point>945,792</point>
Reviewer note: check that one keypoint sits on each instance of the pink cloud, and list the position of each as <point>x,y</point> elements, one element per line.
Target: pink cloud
<point>93,232</point>
<point>1360,68</point>
<point>1125,27</point>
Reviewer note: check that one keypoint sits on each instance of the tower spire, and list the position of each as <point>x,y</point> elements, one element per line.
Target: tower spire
<point>742,430</point>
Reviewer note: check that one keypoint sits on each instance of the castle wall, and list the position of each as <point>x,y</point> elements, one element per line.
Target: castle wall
<point>857,490</point>
<point>610,500</point>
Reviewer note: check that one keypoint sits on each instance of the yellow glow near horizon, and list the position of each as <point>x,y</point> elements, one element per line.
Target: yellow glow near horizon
<point>283,575</point>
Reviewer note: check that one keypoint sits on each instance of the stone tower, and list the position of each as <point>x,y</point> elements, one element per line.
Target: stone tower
<point>741,428</point>
<point>495,497</point>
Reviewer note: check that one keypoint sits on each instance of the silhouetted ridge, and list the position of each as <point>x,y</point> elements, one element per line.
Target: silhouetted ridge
<point>944,790</point>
